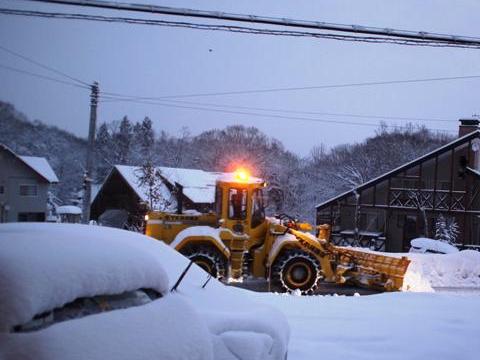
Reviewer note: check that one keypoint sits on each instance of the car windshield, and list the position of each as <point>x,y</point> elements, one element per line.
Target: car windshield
<point>85,306</point>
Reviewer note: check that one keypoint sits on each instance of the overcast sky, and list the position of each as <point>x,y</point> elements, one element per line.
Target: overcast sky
<point>157,61</point>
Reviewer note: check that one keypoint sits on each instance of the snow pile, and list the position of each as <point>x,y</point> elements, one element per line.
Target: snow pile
<point>422,245</point>
<point>427,271</point>
<point>44,266</point>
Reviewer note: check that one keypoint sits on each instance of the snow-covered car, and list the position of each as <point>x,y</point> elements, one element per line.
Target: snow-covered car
<point>426,245</point>
<point>87,292</point>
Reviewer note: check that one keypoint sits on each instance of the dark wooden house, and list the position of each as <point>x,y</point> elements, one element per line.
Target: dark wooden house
<point>121,191</point>
<point>389,211</point>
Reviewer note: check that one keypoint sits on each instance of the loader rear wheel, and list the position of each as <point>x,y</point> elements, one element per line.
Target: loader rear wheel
<point>296,269</point>
<point>208,259</point>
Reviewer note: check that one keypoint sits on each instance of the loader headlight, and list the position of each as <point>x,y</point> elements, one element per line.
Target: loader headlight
<point>147,217</point>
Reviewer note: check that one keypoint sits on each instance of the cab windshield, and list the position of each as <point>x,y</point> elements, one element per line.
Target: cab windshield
<point>258,209</point>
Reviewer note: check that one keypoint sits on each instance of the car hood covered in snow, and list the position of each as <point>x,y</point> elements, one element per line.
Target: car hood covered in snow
<point>45,266</point>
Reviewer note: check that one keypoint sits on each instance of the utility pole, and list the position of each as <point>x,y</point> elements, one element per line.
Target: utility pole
<point>87,177</point>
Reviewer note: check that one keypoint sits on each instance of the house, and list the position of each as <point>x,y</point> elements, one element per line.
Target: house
<point>24,186</point>
<point>122,190</point>
<point>387,212</point>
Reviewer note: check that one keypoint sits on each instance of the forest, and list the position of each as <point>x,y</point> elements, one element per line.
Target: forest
<point>296,184</point>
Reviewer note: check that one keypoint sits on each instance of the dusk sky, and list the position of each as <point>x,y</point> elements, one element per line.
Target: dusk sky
<point>159,61</point>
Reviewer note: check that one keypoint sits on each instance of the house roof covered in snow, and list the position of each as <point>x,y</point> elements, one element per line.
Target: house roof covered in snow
<point>198,185</point>
<point>451,145</point>
<point>38,164</point>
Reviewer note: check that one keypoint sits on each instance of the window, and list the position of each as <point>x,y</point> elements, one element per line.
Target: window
<point>237,204</point>
<point>2,189</point>
<point>28,190</point>
<point>31,217</point>
<point>258,210</point>
<point>369,221</point>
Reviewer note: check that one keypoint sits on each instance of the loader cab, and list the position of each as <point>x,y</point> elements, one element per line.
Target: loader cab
<point>240,204</point>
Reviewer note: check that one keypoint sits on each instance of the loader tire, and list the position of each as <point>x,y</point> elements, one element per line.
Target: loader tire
<point>296,269</point>
<point>208,259</point>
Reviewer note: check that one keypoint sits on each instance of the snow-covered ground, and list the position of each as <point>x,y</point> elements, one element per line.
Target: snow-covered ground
<point>248,325</point>
<point>404,325</point>
<point>401,326</point>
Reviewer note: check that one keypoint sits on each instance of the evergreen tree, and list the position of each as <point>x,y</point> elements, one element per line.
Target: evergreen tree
<point>123,139</point>
<point>446,229</point>
<point>103,152</point>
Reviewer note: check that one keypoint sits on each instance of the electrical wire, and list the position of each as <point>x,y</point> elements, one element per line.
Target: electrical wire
<point>46,67</point>
<point>44,77</point>
<point>315,87</point>
<point>288,111</point>
<point>249,30</point>
<point>275,116</point>
<point>266,20</point>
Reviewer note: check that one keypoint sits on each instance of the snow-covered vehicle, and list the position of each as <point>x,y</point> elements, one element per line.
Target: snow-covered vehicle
<point>426,245</point>
<point>86,292</point>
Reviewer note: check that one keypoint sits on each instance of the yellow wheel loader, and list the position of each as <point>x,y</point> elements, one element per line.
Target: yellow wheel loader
<point>238,241</point>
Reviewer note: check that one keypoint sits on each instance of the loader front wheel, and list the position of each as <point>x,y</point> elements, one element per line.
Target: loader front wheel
<point>208,259</point>
<point>296,269</point>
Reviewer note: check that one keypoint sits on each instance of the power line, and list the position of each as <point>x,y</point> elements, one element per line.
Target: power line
<point>44,77</point>
<point>46,67</point>
<point>275,116</point>
<point>315,87</point>
<point>237,29</point>
<point>282,22</point>
<point>288,111</point>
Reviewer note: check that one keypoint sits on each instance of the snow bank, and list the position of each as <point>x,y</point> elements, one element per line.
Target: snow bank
<point>167,329</point>
<point>44,266</point>
<point>427,271</point>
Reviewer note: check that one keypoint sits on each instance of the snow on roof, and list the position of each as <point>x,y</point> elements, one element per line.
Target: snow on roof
<point>69,209</point>
<point>198,185</point>
<point>474,134</point>
<point>45,266</point>
<point>41,166</point>
<point>232,177</point>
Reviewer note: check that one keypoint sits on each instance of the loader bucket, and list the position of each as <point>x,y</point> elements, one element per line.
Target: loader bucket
<point>372,270</point>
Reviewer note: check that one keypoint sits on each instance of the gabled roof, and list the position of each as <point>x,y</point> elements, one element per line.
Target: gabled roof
<point>198,185</point>
<point>473,172</point>
<point>38,164</point>
<point>421,159</point>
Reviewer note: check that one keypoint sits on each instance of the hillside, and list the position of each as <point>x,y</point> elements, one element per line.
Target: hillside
<point>296,184</point>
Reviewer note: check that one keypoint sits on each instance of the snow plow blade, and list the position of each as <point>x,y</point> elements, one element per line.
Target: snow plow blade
<point>369,269</point>
<point>351,265</point>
